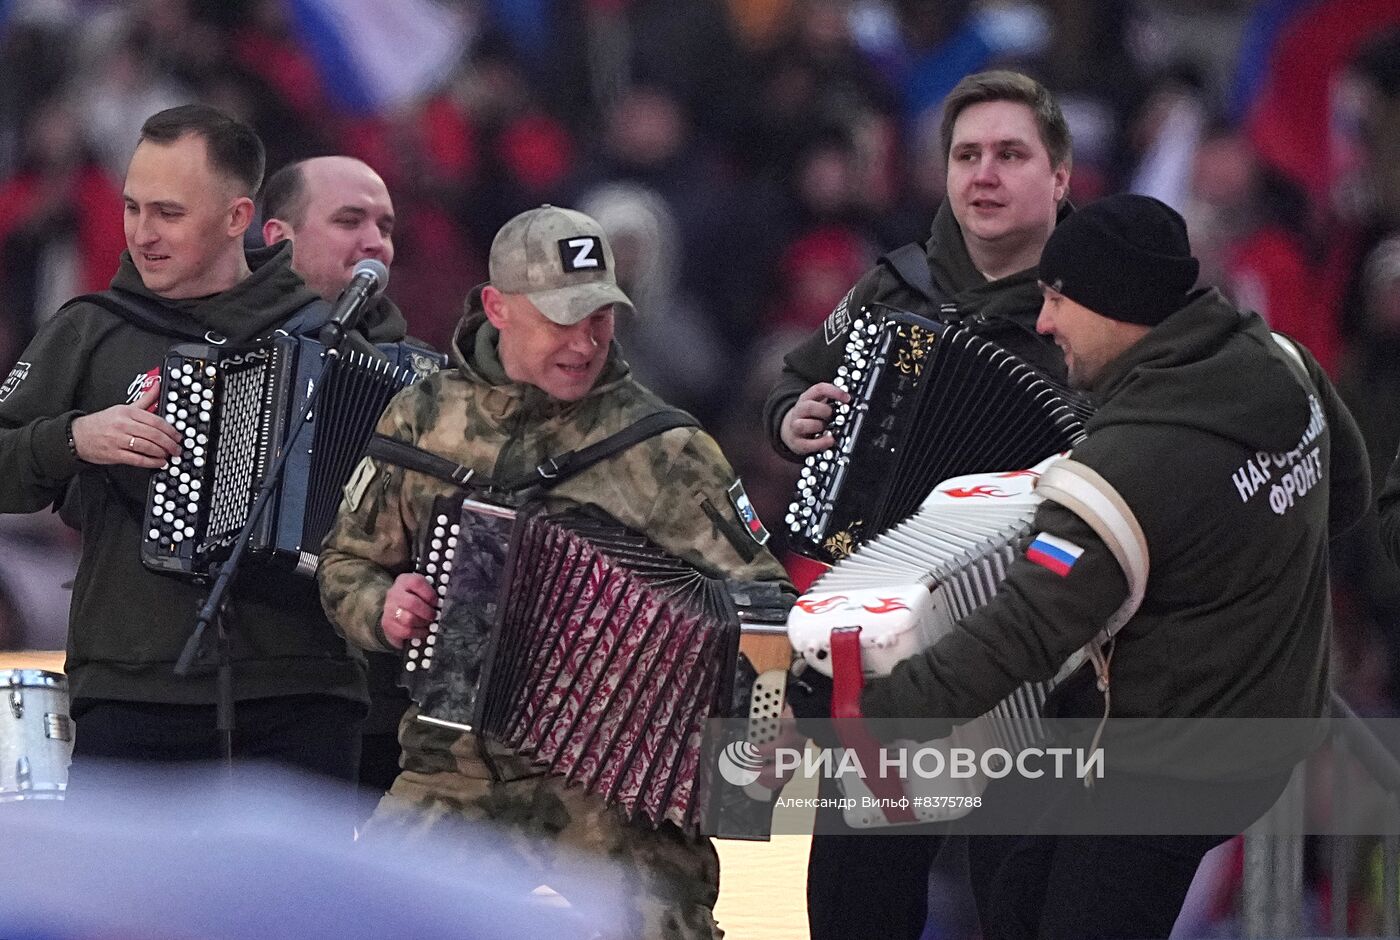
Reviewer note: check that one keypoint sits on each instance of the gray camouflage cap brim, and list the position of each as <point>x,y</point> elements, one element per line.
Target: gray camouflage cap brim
<point>574,302</point>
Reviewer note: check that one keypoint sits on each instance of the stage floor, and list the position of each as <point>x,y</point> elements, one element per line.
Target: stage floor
<point>762,884</point>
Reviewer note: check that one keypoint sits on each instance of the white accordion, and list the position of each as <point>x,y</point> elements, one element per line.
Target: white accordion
<point>913,584</point>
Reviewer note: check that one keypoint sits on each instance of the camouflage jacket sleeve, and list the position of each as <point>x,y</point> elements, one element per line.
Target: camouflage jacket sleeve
<point>371,542</point>
<point>696,514</point>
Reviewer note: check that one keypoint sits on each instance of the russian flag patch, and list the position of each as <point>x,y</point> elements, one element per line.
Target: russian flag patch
<point>1052,552</point>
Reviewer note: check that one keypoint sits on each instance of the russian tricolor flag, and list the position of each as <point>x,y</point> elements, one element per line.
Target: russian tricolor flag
<point>374,56</point>
<point>1055,553</point>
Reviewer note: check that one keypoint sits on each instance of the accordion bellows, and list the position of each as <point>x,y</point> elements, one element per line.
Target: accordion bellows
<point>584,647</point>
<point>910,586</point>
<point>929,401</point>
<point>234,409</point>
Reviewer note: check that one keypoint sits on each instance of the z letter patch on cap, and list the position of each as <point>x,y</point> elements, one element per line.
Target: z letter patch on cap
<point>1054,553</point>
<point>747,514</point>
<point>584,253</point>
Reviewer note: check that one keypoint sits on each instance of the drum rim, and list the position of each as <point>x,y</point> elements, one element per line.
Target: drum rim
<point>32,678</point>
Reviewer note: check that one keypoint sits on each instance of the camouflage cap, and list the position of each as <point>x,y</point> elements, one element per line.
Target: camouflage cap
<point>558,258</point>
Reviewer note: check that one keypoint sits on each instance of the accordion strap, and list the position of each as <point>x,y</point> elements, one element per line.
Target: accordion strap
<point>847,682</point>
<point>402,454</point>
<point>547,475</point>
<point>909,263</point>
<point>157,318</point>
<point>1083,491</point>
<point>1080,489</point>
<point>560,467</point>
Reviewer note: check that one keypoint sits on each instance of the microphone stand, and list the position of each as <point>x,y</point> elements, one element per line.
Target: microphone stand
<point>332,336</point>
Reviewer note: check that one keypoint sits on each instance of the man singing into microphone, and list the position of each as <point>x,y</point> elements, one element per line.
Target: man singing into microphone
<point>336,211</point>
<point>79,405</point>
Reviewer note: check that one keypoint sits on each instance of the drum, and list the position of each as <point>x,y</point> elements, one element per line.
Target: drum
<point>36,735</point>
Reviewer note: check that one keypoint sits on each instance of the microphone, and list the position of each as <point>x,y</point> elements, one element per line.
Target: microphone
<point>367,282</point>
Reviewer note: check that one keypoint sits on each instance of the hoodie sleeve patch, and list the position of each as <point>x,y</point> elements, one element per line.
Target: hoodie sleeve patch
<point>17,375</point>
<point>1057,554</point>
<point>839,321</point>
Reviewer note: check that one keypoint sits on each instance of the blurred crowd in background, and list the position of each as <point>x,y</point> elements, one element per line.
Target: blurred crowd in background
<point>749,159</point>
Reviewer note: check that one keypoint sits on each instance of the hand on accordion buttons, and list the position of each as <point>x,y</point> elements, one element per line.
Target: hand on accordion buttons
<point>809,696</point>
<point>410,605</point>
<point>127,434</point>
<point>803,430</point>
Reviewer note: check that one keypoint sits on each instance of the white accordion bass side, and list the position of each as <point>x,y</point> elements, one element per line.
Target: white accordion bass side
<point>909,587</point>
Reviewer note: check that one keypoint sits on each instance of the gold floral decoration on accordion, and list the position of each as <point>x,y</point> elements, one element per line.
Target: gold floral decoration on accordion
<point>910,359</point>
<point>843,543</point>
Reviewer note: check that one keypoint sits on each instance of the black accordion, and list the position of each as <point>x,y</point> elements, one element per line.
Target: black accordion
<point>583,646</point>
<point>235,409</point>
<point>929,401</point>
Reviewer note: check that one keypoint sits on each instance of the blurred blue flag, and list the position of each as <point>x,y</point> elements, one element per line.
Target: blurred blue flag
<point>375,56</point>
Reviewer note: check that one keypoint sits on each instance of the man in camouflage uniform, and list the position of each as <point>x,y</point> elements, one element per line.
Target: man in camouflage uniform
<point>536,375</point>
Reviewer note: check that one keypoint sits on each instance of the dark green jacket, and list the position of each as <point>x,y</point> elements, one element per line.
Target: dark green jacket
<point>1236,620</point>
<point>127,624</point>
<point>1388,506</point>
<point>1004,311</point>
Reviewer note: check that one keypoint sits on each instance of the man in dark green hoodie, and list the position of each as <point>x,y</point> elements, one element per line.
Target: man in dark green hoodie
<point>1239,462</point>
<point>79,406</point>
<point>1008,150</point>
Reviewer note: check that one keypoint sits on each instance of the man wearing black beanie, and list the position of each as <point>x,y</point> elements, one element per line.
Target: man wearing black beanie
<point>1238,460</point>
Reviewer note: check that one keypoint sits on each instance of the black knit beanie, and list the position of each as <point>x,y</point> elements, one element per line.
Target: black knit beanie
<point>1125,257</point>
